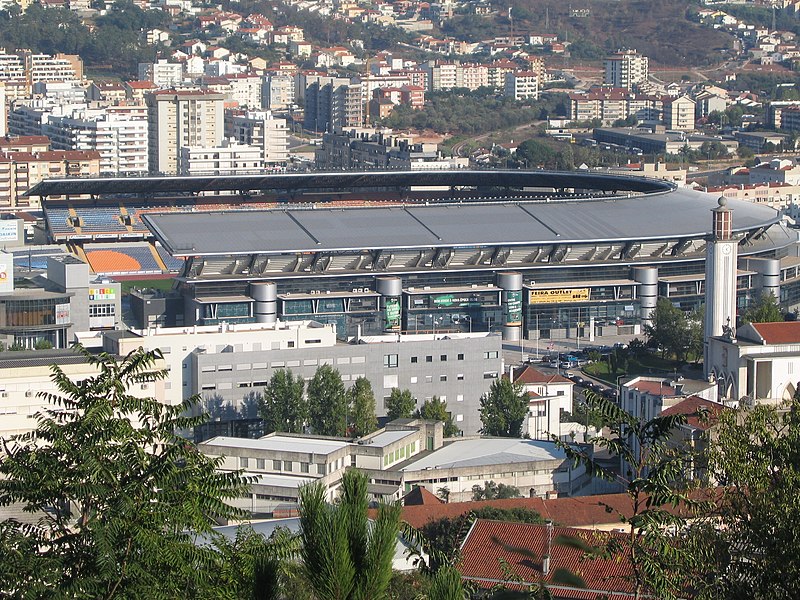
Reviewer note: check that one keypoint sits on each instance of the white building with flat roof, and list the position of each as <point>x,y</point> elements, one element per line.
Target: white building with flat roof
<point>263,130</point>
<point>229,158</point>
<point>117,133</point>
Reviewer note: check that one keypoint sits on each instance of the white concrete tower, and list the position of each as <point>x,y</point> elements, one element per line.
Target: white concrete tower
<point>721,254</point>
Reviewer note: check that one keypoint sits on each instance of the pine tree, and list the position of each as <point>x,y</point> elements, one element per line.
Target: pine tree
<point>503,409</point>
<point>284,408</point>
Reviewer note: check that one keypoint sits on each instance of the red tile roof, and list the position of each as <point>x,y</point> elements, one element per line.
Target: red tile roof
<point>490,541</point>
<point>420,496</point>
<point>530,375</point>
<point>784,332</point>
<point>702,413</point>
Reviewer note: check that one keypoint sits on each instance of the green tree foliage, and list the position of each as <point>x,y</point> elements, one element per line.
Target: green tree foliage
<point>113,42</point>
<point>362,408</point>
<point>120,498</point>
<point>436,410</point>
<point>327,402</point>
<point>344,558</point>
<point>503,409</point>
<point>470,113</point>
<point>673,331</point>
<point>400,404</point>
<point>283,405</point>
<point>752,538</point>
<point>651,473</point>
<point>535,153</point>
<point>494,491</point>
<point>764,310</point>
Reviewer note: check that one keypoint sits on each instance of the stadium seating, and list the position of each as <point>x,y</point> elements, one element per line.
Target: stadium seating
<point>173,264</point>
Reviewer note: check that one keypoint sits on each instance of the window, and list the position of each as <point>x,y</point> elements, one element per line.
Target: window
<point>321,469</point>
<point>460,377</point>
<point>443,358</point>
<point>391,381</point>
<point>414,359</point>
<point>225,368</point>
<point>390,361</point>
<point>492,354</point>
<point>460,357</point>
<point>459,418</point>
<point>260,463</point>
<point>276,465</point>
<point>413,380</point>
<point>459,397</point>
<point>560,393</point>
<point>428,359</point>
<point>490,375</point>
<point>287,465</point>
<point>243,462</point>
<point>442,377</point>
<point>428,378</point>
<point>304,467</point>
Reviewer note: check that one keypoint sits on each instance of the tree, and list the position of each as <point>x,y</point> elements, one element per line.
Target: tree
<point>764,310</point>
<point>669,329</point>
<point>344,558</point>
<point>327,402</point>
<point>436,410</point>
<point>494,491</point>
<point>120,498</point>
<point>283,406</point>
<point>400,404</point>
<point>651,471</point>
<point>756,459</point>
<point>535,153</point>
<point>362,408</point>
<point>503,409</point>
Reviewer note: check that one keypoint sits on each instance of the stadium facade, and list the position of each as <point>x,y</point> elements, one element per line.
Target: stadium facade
<point>533,254</point>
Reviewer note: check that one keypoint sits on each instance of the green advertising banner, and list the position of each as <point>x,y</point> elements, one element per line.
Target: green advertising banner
<point>391,310</point>
<point>512,308</point>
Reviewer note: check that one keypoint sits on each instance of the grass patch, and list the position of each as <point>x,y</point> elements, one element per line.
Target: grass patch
<point>647,364</point>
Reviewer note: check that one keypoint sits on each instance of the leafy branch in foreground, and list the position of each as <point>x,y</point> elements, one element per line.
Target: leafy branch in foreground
<point>651,473</point>
<point>117,497</point>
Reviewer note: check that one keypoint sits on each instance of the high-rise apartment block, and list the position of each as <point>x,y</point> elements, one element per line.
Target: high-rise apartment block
<point>117,133</point>
<point>261,129</point>
<point>625,69</point>
<point>332,103</point>
<point>162,73</point>
<point>178,118</point>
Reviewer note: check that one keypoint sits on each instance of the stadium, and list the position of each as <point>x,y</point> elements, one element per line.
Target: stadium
<point>529,253</point>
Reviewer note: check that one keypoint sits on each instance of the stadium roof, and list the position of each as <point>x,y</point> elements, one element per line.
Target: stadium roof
<point>680,213</point>
<point>341,182</point>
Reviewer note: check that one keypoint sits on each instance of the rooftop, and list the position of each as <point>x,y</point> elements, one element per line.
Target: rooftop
<point>784,332</point>
<point>486,451</point>
<point>280,443</point>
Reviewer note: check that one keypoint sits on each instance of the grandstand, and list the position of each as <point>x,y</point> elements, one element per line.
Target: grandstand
<point>584,247</point>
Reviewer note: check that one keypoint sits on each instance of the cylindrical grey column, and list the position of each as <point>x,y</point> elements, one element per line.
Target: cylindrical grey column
<point>648,291</point>
<point>511,301</point>
<point>265,294</point>
<point>770,271</point>
<point>391,290</point>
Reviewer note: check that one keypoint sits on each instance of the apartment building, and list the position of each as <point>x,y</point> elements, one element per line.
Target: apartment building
<point>162,73</point>
<point>679,113</point>
<point>20,171</point>
<point>522,85</point>
<point>277,92</point>
<point>245,90</point>
<point>117,133</point>
<point>331,103</point>
<point>229,158</point>
<point>20,71</point>
<point>441,75</point>
<point>474,76</point>
<point>625,69</point>
<point>260,129</point>
<point>611,104</point>
<point>182,118</point>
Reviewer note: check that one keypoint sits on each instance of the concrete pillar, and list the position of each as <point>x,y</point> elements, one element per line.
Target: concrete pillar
<point>511,301</point>
<point>391,291</point>
<point>265,294</point>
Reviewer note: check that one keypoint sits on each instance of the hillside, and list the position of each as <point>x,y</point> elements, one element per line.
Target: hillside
<point>660,30</point>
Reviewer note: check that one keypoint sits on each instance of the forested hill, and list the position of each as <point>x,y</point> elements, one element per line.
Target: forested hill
<point>660,30</point>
